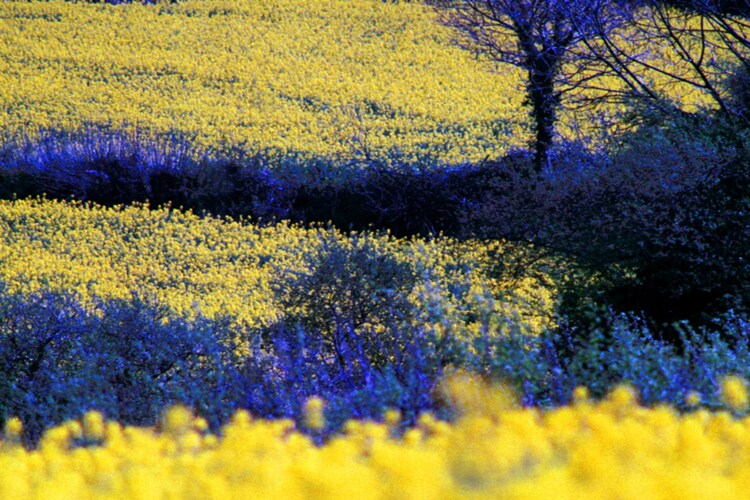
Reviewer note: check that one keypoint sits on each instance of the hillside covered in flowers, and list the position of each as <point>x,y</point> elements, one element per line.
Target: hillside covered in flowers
<point>327,248</point>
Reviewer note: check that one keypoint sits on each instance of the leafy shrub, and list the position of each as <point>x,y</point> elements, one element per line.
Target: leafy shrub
<point>295,365</point>
<point>226,187</point>
<point>349,288</point>
<point>95,165</point>
<point>413,197</point>
<point>129,361</point>
<point>688,233</point>
<point>133,360</point>
<point>615,348</point>
<point>110,167</point>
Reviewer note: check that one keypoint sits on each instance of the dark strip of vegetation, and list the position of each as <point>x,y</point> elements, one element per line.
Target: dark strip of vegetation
<point>112,168</point>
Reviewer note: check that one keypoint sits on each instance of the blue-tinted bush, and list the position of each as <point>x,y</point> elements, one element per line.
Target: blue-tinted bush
<point>298,365</point>
<point>96,165</point>
<point>133,358</point>
<point>129,361</point>
<point>404,194</point>
<point>360,296</point>
<point>617,348</point>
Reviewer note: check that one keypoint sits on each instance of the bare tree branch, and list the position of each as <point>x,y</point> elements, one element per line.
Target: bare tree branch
<point>540,37</point>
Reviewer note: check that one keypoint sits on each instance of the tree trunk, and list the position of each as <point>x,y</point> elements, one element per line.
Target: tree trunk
<point>544,101</point>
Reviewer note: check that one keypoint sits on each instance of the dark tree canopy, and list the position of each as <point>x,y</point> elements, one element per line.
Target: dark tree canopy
<point>663,215</point>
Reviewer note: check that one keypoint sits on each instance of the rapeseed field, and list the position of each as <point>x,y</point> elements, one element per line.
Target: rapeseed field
<point>590,449</point>
<point>153,352</point>
<point>322,78</point>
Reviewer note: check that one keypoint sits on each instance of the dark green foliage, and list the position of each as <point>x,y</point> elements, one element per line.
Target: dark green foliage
<point>658,224</point>
<point>621,348</point>
<point>685,241</point>
<point>406,199</point>
<point>107,167</point>
<point>133,359</point>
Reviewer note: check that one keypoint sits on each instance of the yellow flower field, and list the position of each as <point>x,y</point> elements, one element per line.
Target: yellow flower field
<point>222,267</point>
<point>339,79</point>
<point>347,80</point>
<point>324,77</point>
<point>613,448</point>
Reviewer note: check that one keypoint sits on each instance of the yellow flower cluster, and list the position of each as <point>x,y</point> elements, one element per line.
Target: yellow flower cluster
<point>322,77</point>
<point>219,267</point>
<point>497,304</point>
<point>734,393</point>
<point>613,448</point>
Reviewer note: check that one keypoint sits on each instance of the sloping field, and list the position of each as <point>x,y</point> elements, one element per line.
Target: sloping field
<point>323,77</point>
<point>212,267</point>
<point>328,78</point>
<point>372,353</point>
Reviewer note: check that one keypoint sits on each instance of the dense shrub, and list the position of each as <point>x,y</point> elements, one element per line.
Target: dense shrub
<point>132,360</point>
<point>105,166</point>
<point>688,239</point>
<point>349,288</point>
<point>657,223</point>
<point>128,361</point>
<point>403,195</point>
<point>616,347</point>
<point>415,197</point>
<point>298,365</point>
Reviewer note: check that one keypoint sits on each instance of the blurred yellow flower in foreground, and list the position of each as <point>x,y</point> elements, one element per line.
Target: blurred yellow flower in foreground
<point>613,448</point>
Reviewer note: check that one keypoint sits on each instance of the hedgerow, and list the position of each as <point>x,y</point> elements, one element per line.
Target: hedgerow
<point>131,359</point>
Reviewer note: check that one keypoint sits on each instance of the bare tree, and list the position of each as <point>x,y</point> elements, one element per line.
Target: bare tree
<point>540,37</point>
<point>705,42</point>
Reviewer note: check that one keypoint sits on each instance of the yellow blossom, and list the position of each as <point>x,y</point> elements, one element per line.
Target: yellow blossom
<point>693,398</point>
<point>93,425</point>
<point>13,430</point>
<point>177,420</point>
<point>733,393</point>
<point>314,416</point>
